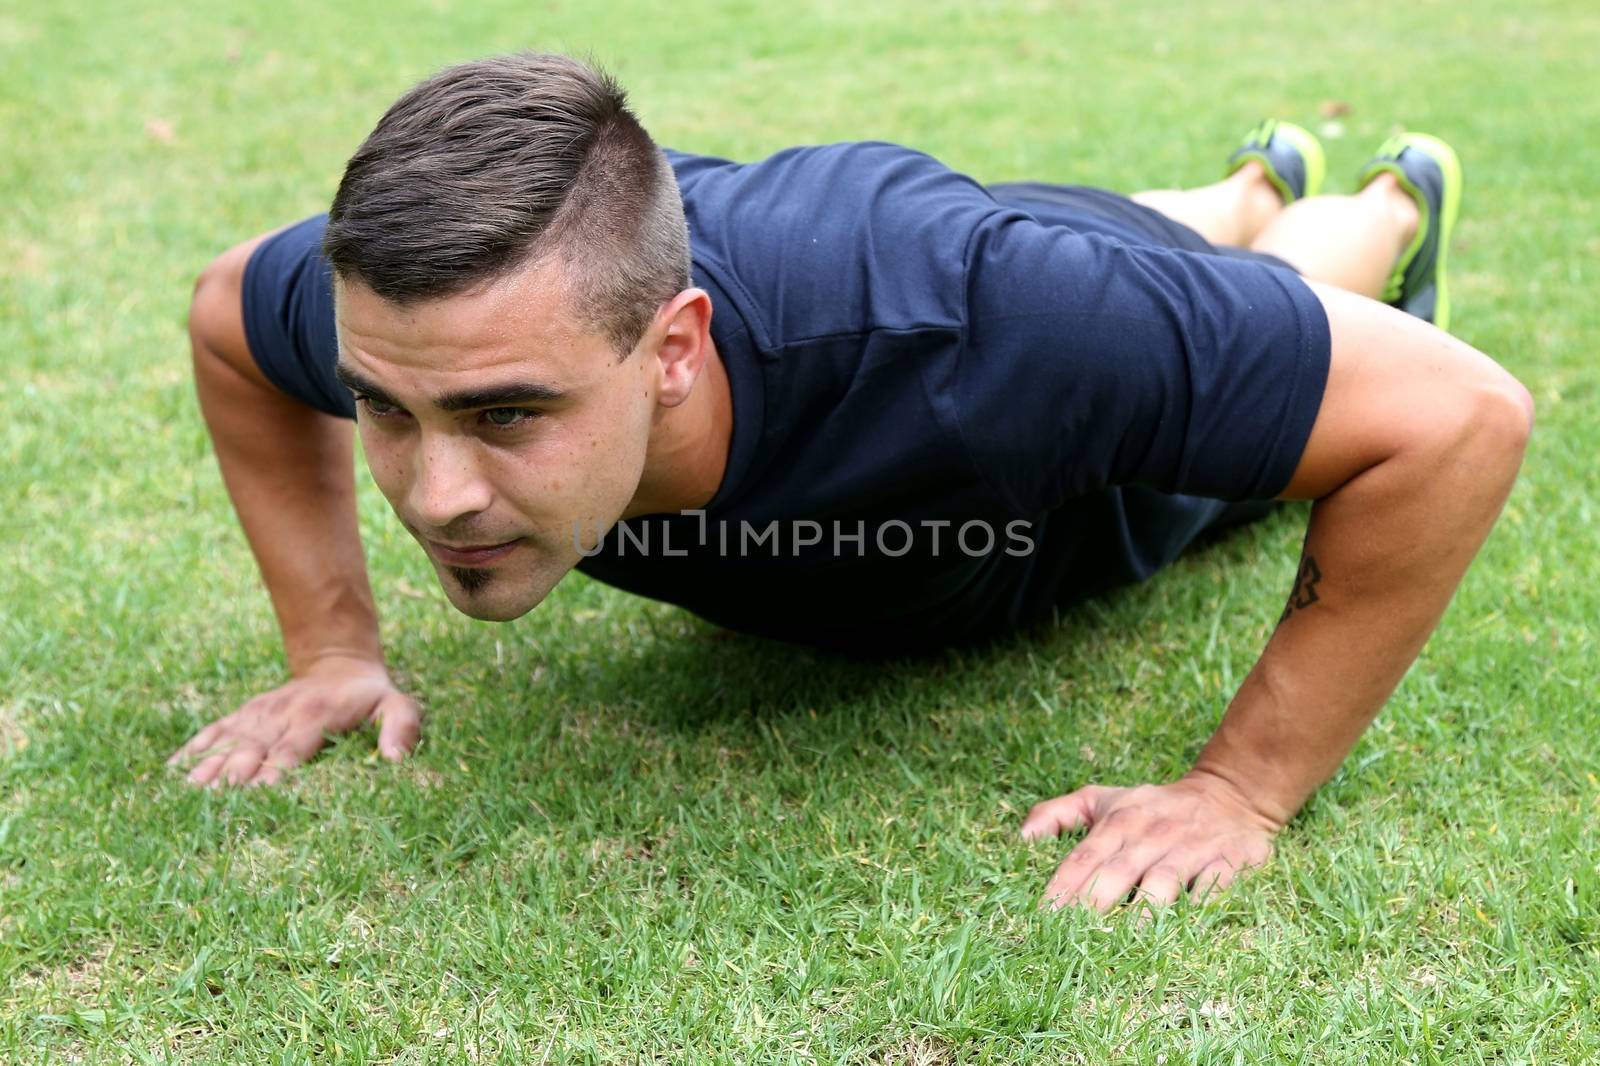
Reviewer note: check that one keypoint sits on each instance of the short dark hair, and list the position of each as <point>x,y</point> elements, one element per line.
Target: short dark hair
<point>490,166</point>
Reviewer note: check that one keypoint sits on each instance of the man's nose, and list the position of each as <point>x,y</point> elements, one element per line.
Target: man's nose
<point>446,484</point>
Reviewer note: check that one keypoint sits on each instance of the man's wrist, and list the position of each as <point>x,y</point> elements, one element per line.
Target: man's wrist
<point>1270,803</point>
<point>307,662</point>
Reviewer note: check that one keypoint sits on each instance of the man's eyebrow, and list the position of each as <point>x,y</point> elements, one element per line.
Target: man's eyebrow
<point>506,395</point>
<point>351,379</point>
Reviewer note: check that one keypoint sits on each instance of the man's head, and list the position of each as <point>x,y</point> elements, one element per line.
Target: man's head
<point>512,285</point>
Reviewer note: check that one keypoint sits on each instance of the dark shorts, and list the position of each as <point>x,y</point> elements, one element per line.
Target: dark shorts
<point>1114,213</point>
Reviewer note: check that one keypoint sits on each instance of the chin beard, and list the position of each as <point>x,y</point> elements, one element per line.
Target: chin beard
<point>470,580</point>
<point>471,599</point>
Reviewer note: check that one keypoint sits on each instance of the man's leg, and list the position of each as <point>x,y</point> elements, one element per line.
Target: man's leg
<point>1348,241</point>
<point>1232,211</point>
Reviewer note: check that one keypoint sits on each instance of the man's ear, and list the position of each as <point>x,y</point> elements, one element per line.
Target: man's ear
<point>684,325</point>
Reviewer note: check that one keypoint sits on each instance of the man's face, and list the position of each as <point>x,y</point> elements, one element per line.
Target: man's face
<point>496,426</point>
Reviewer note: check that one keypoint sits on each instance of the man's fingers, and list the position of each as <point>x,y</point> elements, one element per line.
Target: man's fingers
<point>1163,883</point>
<point>1111,884</point>
<point>1124,870</point>
<point>197,743</point>
<point>1213,878</point>
<point>296,746</point>
<point>1158,839</point>
<point>241,765</point>
<point>267,774</point>
<point>1064,814</point>
<point>1081,865</point>
<point>293,748</point>
<point>207,769</point>
<point>1151,862</point>
<point>400,725</point>
<point>246,719</point>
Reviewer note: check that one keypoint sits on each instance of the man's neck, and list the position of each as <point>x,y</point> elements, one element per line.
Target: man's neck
<point>688,450</point>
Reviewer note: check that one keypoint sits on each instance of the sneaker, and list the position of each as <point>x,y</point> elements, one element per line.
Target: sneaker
<point>1427,169</point>
<point>1291,154</point>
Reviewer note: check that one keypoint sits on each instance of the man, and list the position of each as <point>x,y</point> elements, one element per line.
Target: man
<point>774,417</point>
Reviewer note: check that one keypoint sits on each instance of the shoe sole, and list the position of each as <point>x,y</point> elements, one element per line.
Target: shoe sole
<point>1449,210</point>
<point>1450,164</point>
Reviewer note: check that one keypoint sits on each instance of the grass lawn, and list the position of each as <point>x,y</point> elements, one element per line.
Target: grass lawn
<point>627,838</point>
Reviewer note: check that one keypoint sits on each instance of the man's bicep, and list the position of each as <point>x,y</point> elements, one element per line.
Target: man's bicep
<point>1394,382</point>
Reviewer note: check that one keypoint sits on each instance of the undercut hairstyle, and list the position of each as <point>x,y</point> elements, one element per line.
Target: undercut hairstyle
<point>504,163</point>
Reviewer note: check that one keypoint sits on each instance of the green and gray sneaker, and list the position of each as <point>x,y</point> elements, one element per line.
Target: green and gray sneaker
<point>1429,171</point>
<point>1291,155</point>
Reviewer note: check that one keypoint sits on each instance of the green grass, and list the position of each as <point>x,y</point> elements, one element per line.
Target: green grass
<point>625,838</point>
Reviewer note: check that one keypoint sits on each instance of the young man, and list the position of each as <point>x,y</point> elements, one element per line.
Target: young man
<point>859,400</point>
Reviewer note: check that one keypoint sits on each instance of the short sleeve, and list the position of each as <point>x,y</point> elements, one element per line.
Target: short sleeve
<point>1091,362</point>
<point>288,317</point>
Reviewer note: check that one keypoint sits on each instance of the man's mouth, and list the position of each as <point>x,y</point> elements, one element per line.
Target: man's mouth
<point>471,554</point>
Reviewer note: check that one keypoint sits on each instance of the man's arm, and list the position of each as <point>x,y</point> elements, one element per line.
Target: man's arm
<point>1413,453</point>
<point>289,471</point>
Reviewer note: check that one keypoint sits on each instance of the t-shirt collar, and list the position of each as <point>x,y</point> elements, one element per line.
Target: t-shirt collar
<point>747,390</point>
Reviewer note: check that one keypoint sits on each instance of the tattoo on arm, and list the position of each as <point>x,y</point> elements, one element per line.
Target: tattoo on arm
<point>1305,588</point>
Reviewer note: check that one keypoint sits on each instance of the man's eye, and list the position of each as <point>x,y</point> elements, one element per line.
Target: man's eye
<point>505,417</point>
<point>378,407</point>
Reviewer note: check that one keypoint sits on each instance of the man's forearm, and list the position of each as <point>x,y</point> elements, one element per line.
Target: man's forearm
<point>1383,555</point>
<point>290,473</point>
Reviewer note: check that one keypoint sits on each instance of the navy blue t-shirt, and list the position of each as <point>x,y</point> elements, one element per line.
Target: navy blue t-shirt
<point>954,410</point>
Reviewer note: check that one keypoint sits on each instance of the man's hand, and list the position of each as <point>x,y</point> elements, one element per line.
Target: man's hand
<point>289,470</point>
<point>1159,839</point>
<point>281,729</point>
